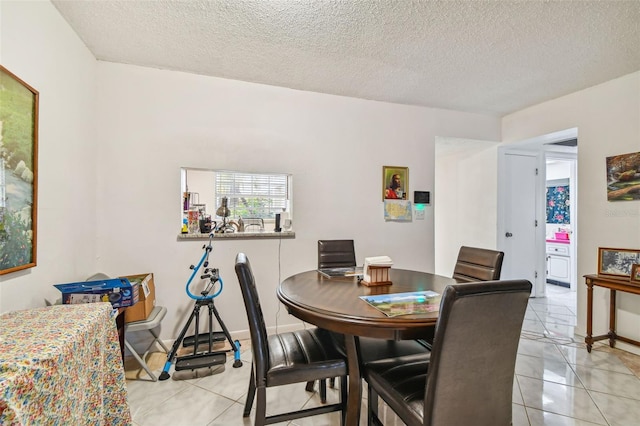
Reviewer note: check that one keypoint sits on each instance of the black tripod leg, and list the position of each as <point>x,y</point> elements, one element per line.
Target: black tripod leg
<point>196,335</point>
<point>234,345</point>
<point>210,325</point>
<point>174,349</point>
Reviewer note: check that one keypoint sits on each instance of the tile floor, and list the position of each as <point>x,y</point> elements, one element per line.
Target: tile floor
<point>557,382</point>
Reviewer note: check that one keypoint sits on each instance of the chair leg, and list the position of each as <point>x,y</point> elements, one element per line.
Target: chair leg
<point>261,407</point>
<point>372,406</point>
<point>323,391</point>
<point>250,394</point>
<point>140,360</point>
<point>332,382</point>
<point>343,399</point>
<point>157,340</point>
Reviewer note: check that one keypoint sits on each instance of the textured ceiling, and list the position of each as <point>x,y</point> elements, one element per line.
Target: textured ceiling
<point>491,57</point>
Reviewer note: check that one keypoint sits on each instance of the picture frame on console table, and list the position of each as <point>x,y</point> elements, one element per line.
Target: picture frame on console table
<point>18,173</point>
<point>635,273</point>
<point>617,262</point>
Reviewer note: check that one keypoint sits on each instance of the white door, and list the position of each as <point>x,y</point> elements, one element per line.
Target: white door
<point>517,217</point>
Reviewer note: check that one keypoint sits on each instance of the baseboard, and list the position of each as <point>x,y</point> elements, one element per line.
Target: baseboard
<point>559,283</point>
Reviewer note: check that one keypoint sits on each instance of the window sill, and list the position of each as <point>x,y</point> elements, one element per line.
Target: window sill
<point>240,236</point>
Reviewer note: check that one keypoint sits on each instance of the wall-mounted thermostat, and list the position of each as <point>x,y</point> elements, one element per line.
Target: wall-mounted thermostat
<point>421,197</point>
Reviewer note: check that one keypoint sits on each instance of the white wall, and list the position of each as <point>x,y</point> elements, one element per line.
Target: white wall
<point>153,122</point>
<point>608,120</point>
<point>466,191</point>
<point>558,170</point>
<point>38,46</point>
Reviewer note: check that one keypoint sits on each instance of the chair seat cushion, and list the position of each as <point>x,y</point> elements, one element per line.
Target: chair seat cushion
<point>376,349</point>
<point>371,349</point>
<point>401,383</point>
<point>301,356</point>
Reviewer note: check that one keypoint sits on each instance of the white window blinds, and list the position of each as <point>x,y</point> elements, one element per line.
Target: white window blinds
<point>253,194</point>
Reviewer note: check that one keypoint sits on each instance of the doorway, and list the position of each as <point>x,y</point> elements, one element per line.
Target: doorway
<point>470,180</point>
<point>534,230</point>
<point>561,217</point>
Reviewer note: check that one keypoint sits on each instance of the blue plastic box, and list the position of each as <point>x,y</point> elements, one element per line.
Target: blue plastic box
<point>119,291</point>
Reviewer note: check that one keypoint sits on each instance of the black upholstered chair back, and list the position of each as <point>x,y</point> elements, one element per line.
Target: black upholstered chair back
<point>257,327</point>
<point>336,254</point>
<point>286,358</point>
<point>470,376</point>
<point>477,264</point>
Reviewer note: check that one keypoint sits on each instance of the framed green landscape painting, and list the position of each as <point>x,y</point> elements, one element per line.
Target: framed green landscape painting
<point>18,173</point>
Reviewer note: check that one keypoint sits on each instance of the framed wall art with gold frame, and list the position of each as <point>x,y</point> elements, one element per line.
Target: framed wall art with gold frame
<point>18,173</point>
<point>395,183</point>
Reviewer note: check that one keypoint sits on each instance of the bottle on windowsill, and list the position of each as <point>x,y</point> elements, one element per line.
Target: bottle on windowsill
<point>285,220</point>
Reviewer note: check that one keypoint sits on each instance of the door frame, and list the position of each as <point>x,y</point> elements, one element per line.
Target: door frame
<point>537,146</point>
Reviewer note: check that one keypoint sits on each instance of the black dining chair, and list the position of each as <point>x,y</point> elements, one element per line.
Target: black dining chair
<point>477,264</point>
<point>336,254</point>
<point>333,254</point>
<point>468,379</point>
<point>472,265</point>
<point>286,358</point>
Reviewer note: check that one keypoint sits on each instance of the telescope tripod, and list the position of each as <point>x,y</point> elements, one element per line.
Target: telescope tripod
<point>209,357</point>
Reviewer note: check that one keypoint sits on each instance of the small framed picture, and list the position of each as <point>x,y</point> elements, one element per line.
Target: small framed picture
<point>617,262</point>
<point>635,273</point>
<point>395,183</point>
<point>623,176</point>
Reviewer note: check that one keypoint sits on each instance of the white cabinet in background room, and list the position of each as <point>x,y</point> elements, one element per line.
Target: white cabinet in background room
<point>558,264</point>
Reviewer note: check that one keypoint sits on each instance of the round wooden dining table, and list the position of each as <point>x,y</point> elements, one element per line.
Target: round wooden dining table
<point>335,304</point>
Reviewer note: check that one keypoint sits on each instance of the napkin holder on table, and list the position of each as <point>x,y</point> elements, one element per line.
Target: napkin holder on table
<point>376,270</point>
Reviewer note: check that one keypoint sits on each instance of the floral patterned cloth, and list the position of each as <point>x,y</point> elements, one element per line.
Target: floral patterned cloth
<point>61,365</point>
<point>558,204</point>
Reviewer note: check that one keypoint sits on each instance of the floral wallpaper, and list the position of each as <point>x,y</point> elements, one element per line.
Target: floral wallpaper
<point>558,204</point>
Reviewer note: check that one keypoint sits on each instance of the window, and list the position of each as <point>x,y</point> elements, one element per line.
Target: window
<point>249,195</point>
<point>259,195</point>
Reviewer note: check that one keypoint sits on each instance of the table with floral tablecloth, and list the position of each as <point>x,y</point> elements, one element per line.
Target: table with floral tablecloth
<point>61,365</point>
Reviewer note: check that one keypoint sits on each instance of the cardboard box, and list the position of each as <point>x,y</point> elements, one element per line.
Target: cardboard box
<point>141,310</point>
<point>119,291</point>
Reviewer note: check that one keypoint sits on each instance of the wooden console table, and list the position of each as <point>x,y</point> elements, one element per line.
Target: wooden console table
<point>613,284</point>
